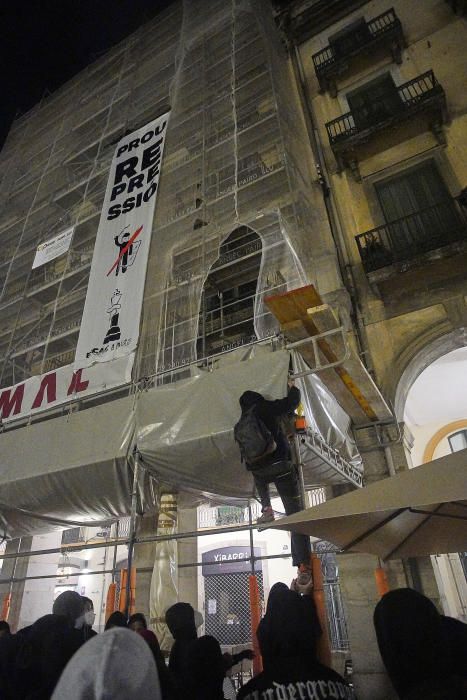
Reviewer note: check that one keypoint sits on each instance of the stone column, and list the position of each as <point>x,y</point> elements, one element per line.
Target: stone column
<point>188,554</point>
<point>358,586</point>
<point>144,556</point>
<point>38,594</point>
<point>17,570</point>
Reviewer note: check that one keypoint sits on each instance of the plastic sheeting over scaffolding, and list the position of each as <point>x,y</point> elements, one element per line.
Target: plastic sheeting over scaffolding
<point>69,471</point>
<point>185,430</point>
<point>236,165</point>
<point>77,469</point>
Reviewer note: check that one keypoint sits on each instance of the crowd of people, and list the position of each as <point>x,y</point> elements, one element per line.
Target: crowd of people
<point>61,657</point>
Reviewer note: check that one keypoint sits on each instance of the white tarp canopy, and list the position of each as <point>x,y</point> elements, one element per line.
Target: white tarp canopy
<point>75,469</point>
<point>69,471</point>
<point>185,430</point>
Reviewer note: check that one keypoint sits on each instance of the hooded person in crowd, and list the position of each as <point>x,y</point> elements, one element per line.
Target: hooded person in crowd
<point>265,449</point>
<point>180,619</point>
<point>137,622</point>
<point>117,665</point>
<point>288,636</point>
<point>4,628</point>
<point>36,658</point>
<point>33,659</point>
<point>70,604</point>
<point>168,686</point>
<point>89,618</point>
<point>412,644</point>
<point>206,669</point>
<point>455,638</point>
<point>116,619</point>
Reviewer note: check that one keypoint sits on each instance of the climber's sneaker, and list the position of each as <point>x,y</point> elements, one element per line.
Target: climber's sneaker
<point>266,517</point>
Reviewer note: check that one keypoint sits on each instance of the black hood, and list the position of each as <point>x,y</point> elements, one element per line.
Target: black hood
<point>410,639</point>
<point>290,628</point>
<point>180,619</point>
<point>249,398</point>
<point>206,669</point>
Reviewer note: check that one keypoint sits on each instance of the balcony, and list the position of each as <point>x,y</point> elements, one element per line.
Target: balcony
<point>422,94</point>
<point>459,7</point>
<point>385,31</point>
<point>405,240</point>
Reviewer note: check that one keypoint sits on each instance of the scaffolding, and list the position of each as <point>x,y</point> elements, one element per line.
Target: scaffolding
<point>233,166</point>
<point>238,217</point>
<point>117,541</point>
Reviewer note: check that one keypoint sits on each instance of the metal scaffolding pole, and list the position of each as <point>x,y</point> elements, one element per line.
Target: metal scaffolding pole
<point>132,532</point>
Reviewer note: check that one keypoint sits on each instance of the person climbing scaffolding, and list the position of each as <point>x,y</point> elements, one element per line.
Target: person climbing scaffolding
<point>265,450</point>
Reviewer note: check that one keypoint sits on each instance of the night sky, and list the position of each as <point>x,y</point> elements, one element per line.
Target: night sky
<point>44,43</point>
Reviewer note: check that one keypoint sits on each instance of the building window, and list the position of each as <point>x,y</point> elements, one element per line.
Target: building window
<point>350,38</point>
<point>228,299</point>
<point>374,102</point>
<point>419,208</point>
<point>458,441</point>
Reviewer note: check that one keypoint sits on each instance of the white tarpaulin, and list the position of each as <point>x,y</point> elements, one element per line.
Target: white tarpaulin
<point>60,386</point>
<point>185,430</point>
<point>112,310</point>
<point>74,468</point>
<point>70,470</point>
<point>53,248</point>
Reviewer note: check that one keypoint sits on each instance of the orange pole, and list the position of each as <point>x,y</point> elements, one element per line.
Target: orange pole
<point>382,585</point>
<point>323,648</point>
<point>110,600</point>
<point>255,611</point>
<point>6,606</point>
<point>122,596</point>
<point>132,590</point>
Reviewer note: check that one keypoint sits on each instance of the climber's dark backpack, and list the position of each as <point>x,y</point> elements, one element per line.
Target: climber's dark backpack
<point>254,438</point>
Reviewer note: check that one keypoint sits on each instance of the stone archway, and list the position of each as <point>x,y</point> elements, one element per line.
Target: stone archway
<point>421,360</point>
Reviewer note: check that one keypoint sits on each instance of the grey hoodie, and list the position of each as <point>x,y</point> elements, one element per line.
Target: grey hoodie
<point>115,665</point>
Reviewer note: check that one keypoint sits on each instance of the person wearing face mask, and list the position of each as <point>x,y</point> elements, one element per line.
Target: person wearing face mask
<point>89,617</point>
<point>33,661</point>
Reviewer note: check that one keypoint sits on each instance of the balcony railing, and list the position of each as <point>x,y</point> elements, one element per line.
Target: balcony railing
<point>334,58</point>
<point>406,100</point>
<point>406,238</point>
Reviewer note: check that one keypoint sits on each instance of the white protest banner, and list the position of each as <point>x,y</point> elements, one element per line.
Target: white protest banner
<point>61,386</point>
<point>53,248</point>
<point>112,310</point>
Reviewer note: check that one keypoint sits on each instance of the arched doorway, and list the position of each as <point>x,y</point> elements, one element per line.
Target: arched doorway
<point>435,418</point>
<point>227,307</point>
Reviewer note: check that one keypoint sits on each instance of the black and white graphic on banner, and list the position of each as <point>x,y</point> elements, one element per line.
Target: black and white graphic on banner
<point>114,332</point>
<point>127,250</point>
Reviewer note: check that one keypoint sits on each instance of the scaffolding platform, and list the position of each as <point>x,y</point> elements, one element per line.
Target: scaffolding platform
<point>312,327</point>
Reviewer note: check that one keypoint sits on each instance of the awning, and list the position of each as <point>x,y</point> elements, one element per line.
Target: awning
<point>418,512</point>
<point>69,471</point>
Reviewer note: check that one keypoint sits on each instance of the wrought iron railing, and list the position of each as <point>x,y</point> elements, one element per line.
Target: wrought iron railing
<point>405,238</point>
<point>383,25</point>
<point>405,100</point>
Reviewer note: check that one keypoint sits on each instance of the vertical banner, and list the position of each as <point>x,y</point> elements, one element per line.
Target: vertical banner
<point>112,310</point>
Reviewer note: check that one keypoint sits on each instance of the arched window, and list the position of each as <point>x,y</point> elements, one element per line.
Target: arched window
<point>228,300</point>
<point>458,440</point>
